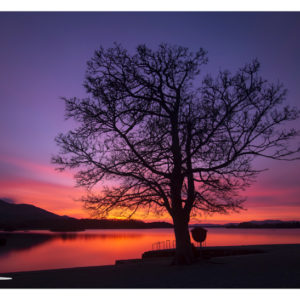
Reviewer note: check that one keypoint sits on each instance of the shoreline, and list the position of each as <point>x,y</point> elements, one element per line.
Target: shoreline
<point>276,266</point>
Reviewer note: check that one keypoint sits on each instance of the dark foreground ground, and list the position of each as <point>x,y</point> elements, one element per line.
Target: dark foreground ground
<point>277,267</point>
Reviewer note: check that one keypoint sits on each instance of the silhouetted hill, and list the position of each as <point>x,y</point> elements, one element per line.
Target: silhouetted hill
<point>265,224</point>
<point>253,224</point>
<point>25,216</point>
<point>23,212</point>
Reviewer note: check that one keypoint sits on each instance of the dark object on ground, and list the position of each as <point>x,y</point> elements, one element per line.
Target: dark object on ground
<point>2,242</point>
<point>207,252</point>
<point>126,261</point>
<point>199,234</point>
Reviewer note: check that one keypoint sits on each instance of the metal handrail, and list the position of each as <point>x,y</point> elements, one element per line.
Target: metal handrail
<point>171,244</point>
<point>168,244</point>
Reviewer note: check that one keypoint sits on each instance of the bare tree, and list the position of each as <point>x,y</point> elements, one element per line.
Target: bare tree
<point>168,145</point>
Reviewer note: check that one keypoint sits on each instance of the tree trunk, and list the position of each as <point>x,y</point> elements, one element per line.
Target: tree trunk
<point>184,254</point>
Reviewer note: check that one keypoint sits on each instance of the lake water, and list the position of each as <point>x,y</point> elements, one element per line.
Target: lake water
<point>39,250</point>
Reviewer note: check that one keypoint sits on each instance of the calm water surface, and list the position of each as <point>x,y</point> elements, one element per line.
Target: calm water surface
<point>38,250</point>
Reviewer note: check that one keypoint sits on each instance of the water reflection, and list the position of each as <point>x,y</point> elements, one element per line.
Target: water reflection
<point>22,241</point>
<point>47,250</point>
<point>72,236</point>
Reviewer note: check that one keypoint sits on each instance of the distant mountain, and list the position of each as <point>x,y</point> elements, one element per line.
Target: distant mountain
<point>265,224</point>
<point>230,225</point>
<point>253,224</point>
<point>206,225</point>
<point>10,212</point>
<point>26,216</point>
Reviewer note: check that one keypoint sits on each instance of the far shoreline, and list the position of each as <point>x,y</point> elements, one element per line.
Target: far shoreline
<point>33,230</point>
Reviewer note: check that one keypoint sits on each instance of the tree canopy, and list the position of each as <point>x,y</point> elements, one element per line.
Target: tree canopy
<point>172,139</point>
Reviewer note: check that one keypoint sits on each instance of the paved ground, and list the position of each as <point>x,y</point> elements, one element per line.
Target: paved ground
<point>278,267</point>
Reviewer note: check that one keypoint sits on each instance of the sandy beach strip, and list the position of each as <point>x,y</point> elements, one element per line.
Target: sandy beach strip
<point>277,267</point>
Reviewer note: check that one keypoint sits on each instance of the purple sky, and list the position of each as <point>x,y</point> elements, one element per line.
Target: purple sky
<point>43,57</point>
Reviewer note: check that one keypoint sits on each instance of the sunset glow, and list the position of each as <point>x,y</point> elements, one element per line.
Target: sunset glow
<point>49,63</point>
<point>268,198</point>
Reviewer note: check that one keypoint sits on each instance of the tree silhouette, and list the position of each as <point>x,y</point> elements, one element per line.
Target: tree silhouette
<point>170,141</point>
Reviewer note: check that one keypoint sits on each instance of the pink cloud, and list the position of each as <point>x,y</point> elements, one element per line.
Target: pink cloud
<point>45,171</point>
